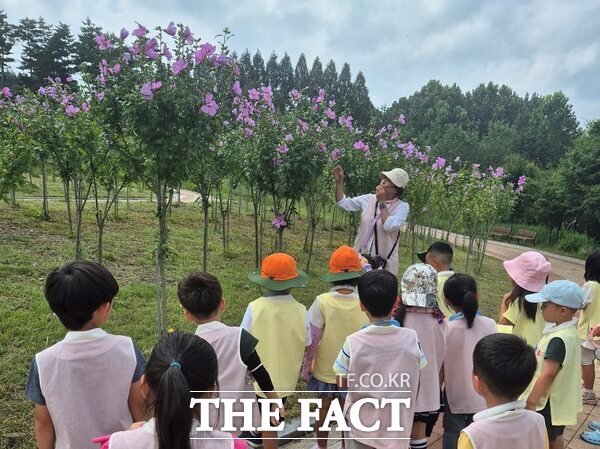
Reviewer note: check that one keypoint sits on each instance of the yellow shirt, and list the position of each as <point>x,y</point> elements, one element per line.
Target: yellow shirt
<point>464,442</point>
<point>442,278</point>
<point>341,316</point>
<point>590,315</point>
<point>530,330</point>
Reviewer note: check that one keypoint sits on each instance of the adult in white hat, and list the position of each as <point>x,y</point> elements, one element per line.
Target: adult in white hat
<point>382,215</point>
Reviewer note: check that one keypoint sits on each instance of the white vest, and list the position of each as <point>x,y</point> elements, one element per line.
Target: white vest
<point>235,382</point>
<point>145,438</point>
<point>525,430</point>
<point>458,364</point>
<point>86,386</point>
<point>432,336</point>
<point>386,354</point>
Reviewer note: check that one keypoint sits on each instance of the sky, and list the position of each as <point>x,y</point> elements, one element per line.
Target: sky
<point>530,45</point>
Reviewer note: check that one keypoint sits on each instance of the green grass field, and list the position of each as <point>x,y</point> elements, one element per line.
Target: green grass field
<point>31,247</point>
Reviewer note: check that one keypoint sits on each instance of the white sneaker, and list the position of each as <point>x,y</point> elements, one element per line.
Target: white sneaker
<point>589,397</point>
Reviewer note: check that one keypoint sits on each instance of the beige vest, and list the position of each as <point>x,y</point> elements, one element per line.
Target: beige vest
<point>565,391</point>
<point>235,382</point>
<point>86,386</point>
<point>342,317</point>
<point>432,336</point>
<point>385,354</point>
<point>145,438</point>
<point>280,327</point>
<point>385,240</point>
<point>458,364</point>
<point>525,430</point>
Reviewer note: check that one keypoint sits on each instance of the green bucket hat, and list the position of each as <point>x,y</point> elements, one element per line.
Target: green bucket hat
<point>279,272</point>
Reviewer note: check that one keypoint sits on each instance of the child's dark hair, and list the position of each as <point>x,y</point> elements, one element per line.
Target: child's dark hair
<point>352,282</point>
<point>460,290</point>
<point>399,191</point>
<point>378,290</point>
<point>592,267</point>
<point>442,251</point>
<point>518,294</point>
<point>506,363</point>
<point>178,364</point>
<point>75,290</point>
<point>200,294</point>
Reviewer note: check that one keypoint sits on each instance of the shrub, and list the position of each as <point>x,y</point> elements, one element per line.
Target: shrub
<point>575,243</point>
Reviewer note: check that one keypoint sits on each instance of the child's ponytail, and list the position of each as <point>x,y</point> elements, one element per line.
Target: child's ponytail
<point>460,291</point>
<point>178,364</point>
<point>470,306</point>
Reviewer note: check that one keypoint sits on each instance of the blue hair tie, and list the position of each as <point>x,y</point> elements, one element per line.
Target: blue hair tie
<point>176,364</point>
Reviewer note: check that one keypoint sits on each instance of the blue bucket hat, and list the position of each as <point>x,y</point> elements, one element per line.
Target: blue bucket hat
<point>562,293</point>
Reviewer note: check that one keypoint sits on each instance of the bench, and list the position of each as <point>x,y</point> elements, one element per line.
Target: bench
<point>500,232</point>
<point>523,236</point>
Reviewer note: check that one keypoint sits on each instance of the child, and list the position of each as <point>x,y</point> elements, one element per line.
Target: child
<point>179,363</point>
<point>555,391</point>
<point>528,274</point>
<point>201,297</point>
<point>90,371</point>
<point>279,322</point>
<point>381,350</point>
<point>465,328</point>
<point>419,312</point>
<point>503,366</point>
<point>439,255</point>
<point>588,318</point>
<point>333,316</point>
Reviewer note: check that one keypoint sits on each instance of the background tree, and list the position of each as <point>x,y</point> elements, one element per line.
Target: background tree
<point>361,107</point>
<point>87,53</point>
<point>301,75</point>
<point>330,80</point>
<point>286,73</point>
<point>58,55</point>
<point>258,64</point>
<point>34,36</point>
<point>344,88</point>
<point>315,77</point>
<point>7,41</point>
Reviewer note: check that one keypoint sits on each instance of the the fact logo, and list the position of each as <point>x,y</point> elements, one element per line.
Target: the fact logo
<point>335,415</point>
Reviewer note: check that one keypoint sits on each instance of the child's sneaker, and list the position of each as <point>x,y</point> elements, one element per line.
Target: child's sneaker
<point>589,397</point>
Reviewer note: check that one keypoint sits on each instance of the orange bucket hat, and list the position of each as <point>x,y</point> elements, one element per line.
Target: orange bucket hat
<point>279,272</point>
<point>344,264</point>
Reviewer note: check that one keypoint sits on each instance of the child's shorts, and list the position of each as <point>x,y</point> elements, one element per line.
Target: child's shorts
<point>553,431</point>
<point>325,389</point>
<point>587,354</point>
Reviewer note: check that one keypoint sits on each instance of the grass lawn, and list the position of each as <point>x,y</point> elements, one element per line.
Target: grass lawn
<point>31,247</point>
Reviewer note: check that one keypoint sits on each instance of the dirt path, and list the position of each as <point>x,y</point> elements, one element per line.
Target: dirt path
<point>563,267</point>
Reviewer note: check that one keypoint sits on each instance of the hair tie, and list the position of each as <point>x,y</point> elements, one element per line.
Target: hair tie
<point>176,364</point>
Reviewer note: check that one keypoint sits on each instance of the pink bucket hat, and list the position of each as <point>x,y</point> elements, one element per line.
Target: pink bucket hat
<point>529,270</point>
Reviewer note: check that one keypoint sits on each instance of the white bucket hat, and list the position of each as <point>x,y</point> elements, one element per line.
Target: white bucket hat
<point>398,176</point>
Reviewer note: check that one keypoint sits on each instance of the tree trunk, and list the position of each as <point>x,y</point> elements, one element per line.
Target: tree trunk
<point>205,204</point>
<point>100,241</point>
<point>45,208</point>
<point>68,201</point>
<point>161,284</point>
<point>13,198</point>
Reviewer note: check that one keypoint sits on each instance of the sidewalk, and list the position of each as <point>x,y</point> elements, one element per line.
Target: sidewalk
<point>571,436</point>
